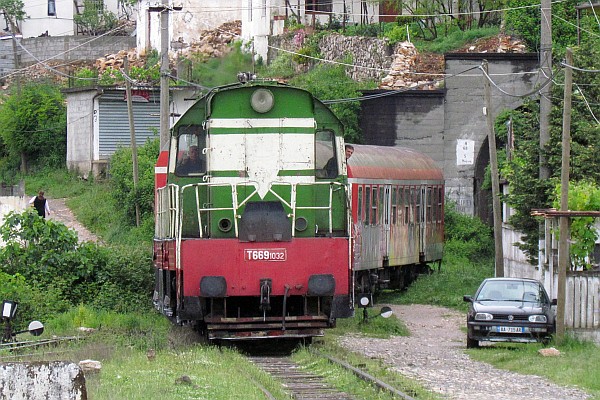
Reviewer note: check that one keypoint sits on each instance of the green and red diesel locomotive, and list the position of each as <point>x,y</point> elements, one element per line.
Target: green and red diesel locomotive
<point>254,216</point>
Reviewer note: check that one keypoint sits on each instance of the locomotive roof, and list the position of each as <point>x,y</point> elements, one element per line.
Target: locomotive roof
<point>394,163</point>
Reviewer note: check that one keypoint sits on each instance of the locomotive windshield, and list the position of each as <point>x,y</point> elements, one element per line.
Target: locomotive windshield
<point>191,157</point>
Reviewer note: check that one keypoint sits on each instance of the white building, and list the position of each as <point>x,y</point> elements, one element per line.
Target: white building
<point>187,18</point>
<point>55,17</point>
<point>260,18</point>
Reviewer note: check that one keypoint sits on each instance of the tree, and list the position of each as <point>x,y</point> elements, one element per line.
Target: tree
<point>527,192</point>
<point>33,125</point>
<point>13,13</point>
<point>95,19</point>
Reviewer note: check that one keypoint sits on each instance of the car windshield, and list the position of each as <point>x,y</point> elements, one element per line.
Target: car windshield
<point>511,291</point>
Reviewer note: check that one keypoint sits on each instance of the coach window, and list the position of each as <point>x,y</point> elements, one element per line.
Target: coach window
<point>326,163</point>
<point>374,205</point>
<point>394,205</point>
<point>367,213</point>
<point>359,215</point>
<point>191,155</point>
<point>429,216</point>
<point>419,205</point>
<point>440,204</point>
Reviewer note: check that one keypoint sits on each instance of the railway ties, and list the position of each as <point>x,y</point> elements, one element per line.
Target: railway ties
<point>301,385</point>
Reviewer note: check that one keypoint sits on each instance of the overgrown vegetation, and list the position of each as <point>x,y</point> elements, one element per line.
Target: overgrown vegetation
<point>32,129</point>
<point>521,165</point>
<point>45,258</point>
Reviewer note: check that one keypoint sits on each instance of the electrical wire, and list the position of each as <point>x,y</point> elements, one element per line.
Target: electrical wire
<point>593,71</point>
<point>587,104</point>
<point>535,91</point>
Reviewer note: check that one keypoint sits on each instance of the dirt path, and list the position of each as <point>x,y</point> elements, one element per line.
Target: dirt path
<point>61,213</point>
<point>434,355</point>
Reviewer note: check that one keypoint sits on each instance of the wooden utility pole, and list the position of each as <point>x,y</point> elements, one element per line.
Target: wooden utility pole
<point>564,234</point>
<point>545,92</point>
<point>497,211</point>
<point>132,138</point>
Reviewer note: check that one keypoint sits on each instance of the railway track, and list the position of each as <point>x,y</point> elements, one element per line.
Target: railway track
<point>304,385</point>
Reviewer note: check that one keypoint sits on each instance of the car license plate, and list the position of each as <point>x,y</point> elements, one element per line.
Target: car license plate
<point>509,329</point>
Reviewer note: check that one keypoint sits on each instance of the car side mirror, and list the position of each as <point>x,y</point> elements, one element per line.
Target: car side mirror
<point>468,298</point>
<point>554,302</point>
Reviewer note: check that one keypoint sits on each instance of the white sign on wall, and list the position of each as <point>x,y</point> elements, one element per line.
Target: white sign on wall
<point>465,152</point>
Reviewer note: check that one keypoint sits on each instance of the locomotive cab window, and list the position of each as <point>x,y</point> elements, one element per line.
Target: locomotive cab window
<point>191,156</point>
<point>326,162</point>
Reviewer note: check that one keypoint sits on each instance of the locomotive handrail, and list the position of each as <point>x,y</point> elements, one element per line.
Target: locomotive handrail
<point>292,203</point>
<point>168,203</point>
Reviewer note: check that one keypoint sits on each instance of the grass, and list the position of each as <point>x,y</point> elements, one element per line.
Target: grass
<point>92,204</point>
<point>122,341</point>
<point>455,40</point>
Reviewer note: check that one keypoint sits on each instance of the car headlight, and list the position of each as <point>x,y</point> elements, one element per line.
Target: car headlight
<point>538,318</point>
<point>483,316</point>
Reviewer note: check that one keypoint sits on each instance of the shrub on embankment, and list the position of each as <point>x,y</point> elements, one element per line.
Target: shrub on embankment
<point>46,269</point>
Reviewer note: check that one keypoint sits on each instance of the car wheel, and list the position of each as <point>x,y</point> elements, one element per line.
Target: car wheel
<point>472,343</point>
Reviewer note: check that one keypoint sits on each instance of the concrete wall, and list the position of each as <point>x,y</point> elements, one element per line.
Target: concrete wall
<point>412,119</point>
<point>55,380</point>
<point>465,127</point>
<point>80,117</point>
<point>60,48</point>
<point>450,125</point>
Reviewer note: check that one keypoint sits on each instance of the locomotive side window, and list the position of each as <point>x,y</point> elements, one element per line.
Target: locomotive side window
<point>326,162</point>
<point>191,158</point>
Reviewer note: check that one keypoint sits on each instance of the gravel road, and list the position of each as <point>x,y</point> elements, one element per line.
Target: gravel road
<point>434,355</point>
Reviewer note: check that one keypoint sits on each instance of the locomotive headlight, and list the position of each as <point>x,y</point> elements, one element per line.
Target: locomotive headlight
<point>321,285</point>
<point>262,100</point>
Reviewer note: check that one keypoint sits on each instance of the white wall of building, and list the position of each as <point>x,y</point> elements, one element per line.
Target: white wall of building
<point>262,18</point>
<point>38,21</point>
<point>185,25</point>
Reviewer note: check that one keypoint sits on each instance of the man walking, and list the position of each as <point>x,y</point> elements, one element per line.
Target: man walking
<point>40,203</point>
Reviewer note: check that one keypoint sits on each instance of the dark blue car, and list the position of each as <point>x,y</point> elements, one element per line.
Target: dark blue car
<point>510,310</point>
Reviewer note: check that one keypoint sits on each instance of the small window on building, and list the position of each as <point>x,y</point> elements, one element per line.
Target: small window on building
<point>51,8</point>
<point>318,6</point>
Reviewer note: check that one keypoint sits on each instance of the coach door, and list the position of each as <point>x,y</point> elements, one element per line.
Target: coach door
<point>385,199</point>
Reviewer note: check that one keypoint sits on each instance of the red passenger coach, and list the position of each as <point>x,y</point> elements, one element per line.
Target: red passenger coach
<point>397,214</point>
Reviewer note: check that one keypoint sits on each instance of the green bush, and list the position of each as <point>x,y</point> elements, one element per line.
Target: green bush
<point>46,257</point>
<point>121,179</point>
<point>466,236</point>
<point>33,123</point>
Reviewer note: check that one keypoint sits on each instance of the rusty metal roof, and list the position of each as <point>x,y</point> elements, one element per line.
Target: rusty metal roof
<point>395,163</point>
